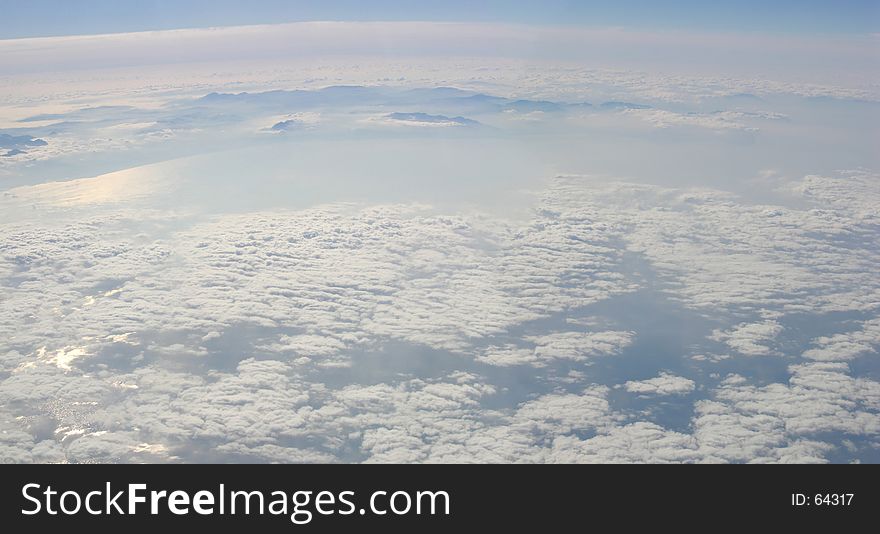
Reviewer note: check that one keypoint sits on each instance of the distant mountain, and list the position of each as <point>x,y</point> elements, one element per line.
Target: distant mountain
<point>284,126</point>
<point>439,92</point>
<point>450,100</point>
<point>480,97</point>
<point>528,106</point>
<point>623,105</point>
<point>19,141</point>
<point>298,99</point>
<point>43,117</point>
<point>432,119</point>
<point>743,96</point>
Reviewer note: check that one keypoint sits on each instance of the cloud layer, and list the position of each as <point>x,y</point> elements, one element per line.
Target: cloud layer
<point>251,337</point>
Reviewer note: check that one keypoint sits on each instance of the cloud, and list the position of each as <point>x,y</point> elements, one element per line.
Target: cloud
<point>510,354</point>
<point>745,258</point>
<point>19,445</point>
<point>135,328</point>
<point>722,120</point>
<point>664,384</point>
<point>819,398</point>
<point>745,423</point>
<point>846,346</point>
<point>635,443</point>
<point>579,346</point>
<point>750,338</point>
<point>399,333</point>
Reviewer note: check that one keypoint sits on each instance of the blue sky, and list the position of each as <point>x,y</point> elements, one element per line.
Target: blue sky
<point>62,17</point>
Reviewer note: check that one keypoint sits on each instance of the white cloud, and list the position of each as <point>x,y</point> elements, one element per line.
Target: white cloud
<point>579,346</point>
<point>723,253</point>
<point>846,346</point>
<point>750,338</point>
<point>664,384</point>
<point>819,398</point>
<point>635,443</point>
<point>110,322</point>
<point>510,354</point>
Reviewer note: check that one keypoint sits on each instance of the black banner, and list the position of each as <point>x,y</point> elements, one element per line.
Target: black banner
<point>330,498</point>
